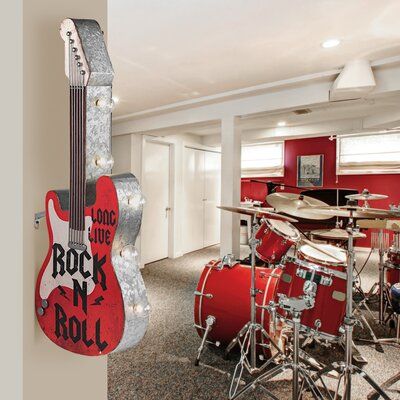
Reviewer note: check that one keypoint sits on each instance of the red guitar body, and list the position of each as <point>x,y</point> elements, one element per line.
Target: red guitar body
<point>78,297</point>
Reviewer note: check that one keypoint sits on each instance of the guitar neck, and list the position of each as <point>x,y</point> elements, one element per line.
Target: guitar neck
<point>77,163</point>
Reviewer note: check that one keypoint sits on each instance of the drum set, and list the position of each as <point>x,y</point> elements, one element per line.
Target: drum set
<point>294,289</point>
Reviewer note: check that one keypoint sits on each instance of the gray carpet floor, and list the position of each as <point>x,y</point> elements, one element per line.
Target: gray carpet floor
<point>161,366</point>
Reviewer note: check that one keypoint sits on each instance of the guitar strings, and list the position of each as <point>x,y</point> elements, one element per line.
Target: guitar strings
<point>77,146</point>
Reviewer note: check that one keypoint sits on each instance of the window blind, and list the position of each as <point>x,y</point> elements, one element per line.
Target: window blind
<point>368,154</point>
<point>265,159</point>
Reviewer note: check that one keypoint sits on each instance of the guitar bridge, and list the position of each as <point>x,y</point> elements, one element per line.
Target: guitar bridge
<point>77,246</point>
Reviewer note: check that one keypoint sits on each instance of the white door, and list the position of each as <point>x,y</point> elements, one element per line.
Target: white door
<point>212,198</point>
<point>156,213</point>
<point>193,199</point>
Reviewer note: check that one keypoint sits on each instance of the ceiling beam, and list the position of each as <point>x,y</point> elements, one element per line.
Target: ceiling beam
<point>306,94</point>
<point>289,132</point>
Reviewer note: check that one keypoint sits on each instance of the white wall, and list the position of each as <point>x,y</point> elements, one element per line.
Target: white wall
<point>11,204</point>
<point>49,371</point>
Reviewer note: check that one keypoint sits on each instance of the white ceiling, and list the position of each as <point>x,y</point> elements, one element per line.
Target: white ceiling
<point>168,51</point>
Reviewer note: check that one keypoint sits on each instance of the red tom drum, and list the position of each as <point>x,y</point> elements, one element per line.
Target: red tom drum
<point>224,293</point>
<point>392,273</point>
<point>329,273</point>
<point>276,238</point>
<point>394,256</point>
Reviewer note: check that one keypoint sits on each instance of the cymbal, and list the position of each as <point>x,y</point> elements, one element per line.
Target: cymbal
<point>259,211</point>
<point>296,205</point>
<point>366,195</point>
<point>356,212</point>
<point>336,234</point>
<point>389,224</point>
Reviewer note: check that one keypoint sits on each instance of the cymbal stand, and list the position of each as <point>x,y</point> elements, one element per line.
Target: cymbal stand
<point>295,306</point>
<point>248,336</point>
<point>381,245</point>
<point>346,368</point>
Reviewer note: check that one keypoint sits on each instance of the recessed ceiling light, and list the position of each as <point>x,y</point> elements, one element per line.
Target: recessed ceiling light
<point>281,123</point>
<point>327,44</point>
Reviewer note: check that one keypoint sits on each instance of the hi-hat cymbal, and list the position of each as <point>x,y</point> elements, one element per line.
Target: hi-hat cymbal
<point>259,211</point>
<point>296,205</point>
<point>355,212</point>
<point>366,195</point>
<point>336,234</point>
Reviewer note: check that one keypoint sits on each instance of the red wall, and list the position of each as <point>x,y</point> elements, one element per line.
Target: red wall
<point>385,184</point>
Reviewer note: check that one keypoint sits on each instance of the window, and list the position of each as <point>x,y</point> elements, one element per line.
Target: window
<point>368,154</point>
<point>265,159</point>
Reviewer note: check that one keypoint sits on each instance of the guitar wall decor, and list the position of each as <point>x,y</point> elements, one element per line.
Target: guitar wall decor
<point>90,296</point>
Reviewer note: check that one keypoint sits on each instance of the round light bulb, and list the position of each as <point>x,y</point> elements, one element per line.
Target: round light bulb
<point>129,253</point>
<point>104,162</point>
<point>105,104</point>
<point>138,309</point>
<point>136,200</point>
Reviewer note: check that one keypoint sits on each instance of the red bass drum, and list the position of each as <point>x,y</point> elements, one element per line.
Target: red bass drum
<point>224,293</point>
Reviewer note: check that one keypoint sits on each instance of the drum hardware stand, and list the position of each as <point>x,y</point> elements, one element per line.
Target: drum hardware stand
<point>365,324</point>
<point>247,336</point>
<point>210,321</point>
<point>346,368</point>
<point>390,341</point>
<point>387,386</point>
<point>295,306</point>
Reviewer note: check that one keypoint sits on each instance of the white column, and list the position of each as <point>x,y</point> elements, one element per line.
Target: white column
<point>230,185</point>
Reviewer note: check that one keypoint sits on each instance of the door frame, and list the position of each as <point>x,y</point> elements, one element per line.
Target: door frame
<point>171,186</point>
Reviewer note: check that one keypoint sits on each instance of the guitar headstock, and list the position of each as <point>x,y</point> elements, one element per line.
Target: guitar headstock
<point>86,56</point>
<point>76,64</point>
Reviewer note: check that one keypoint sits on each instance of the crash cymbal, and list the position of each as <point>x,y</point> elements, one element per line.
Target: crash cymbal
<point>296,205</point>
<point>336,234</point>
<point>259,211</point>
<point>366,195</point>
<point>356,212</point>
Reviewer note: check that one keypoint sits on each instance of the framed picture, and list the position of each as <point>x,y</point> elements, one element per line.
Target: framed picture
<point>310,170</point>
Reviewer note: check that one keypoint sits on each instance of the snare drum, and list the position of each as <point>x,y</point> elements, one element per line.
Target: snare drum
<point>329,274</point>
<point>276,238</point>
<point>224,293</point>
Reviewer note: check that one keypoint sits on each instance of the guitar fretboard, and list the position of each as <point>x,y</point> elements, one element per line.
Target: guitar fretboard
<point>77,151</point>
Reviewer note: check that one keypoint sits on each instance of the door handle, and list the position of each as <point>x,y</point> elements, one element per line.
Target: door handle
<point>166,211</point>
